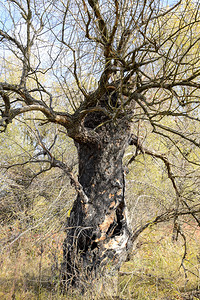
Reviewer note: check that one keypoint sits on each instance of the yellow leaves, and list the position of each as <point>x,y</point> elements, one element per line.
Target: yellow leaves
<point>68,213</point>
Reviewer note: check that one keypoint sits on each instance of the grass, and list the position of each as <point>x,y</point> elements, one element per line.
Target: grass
<point>30,266</point>
<point>157,269</point>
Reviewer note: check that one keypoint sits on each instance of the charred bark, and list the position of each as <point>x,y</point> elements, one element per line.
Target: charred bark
<point>97,231</point>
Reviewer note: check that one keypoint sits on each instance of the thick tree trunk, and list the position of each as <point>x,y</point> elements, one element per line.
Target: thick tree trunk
<point>97,232</point>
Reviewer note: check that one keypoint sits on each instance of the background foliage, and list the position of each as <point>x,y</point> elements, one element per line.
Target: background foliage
<point>164,264</point>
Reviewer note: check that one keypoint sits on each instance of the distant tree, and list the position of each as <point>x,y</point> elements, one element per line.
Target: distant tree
<point>97,69</point>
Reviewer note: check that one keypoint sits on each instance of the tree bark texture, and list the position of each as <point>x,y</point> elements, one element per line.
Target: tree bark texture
<point>97,231</point>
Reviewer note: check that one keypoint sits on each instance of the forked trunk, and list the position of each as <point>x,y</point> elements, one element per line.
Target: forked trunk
<point>97,232</point>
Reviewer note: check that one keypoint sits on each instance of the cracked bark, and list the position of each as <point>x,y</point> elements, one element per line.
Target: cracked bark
<point>97,231</point>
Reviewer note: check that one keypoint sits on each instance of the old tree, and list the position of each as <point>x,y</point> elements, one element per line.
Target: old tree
<point>96,69</point>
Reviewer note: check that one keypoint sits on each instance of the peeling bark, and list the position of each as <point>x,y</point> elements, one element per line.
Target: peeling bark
<point>97,231</point>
